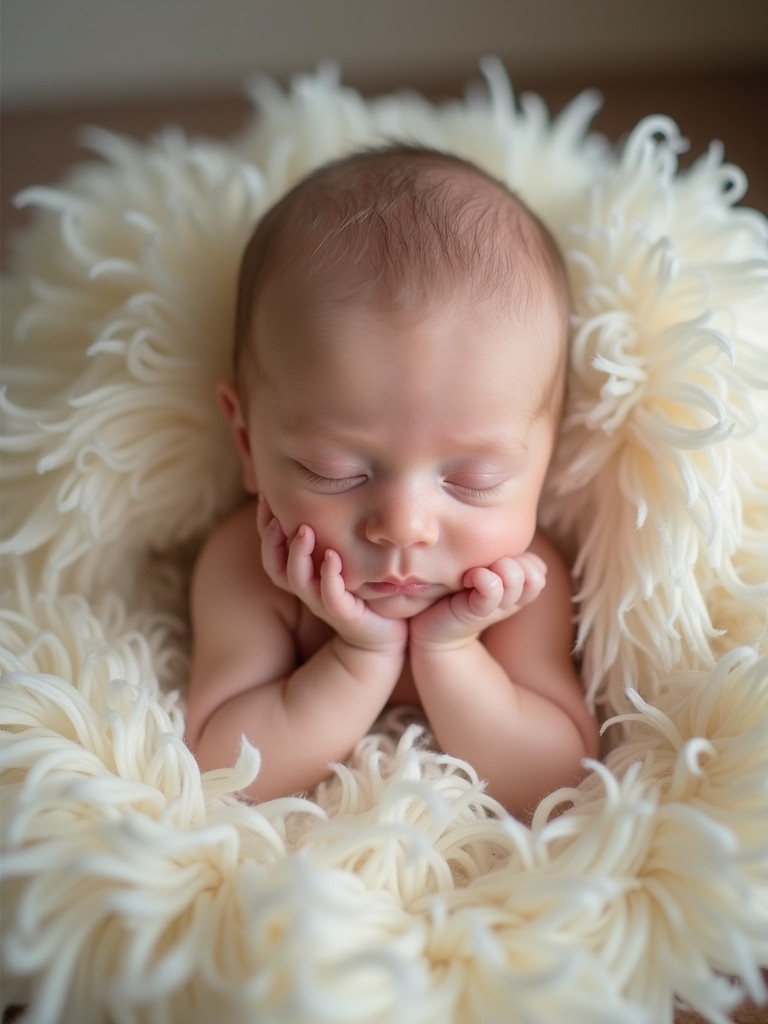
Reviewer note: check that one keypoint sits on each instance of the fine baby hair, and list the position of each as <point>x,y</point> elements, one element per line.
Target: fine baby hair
<point>400,224</point>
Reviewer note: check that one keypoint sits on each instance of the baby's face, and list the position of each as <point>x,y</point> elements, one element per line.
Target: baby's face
<point>414,445</point>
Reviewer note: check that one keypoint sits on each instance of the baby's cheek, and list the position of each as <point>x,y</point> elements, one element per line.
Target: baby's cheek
<point>325,536</point>
<point>524,525</point>
<point>524,536</point>
<point>511,538</point>
<point>283,513</point>
<point>290,512</point>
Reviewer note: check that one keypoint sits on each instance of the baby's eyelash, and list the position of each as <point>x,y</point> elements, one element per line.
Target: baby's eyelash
<point>479,492</point>
<point>332,483</point>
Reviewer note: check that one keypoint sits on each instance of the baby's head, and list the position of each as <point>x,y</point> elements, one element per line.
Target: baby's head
<point>400,357</point>
<point>399,228</point>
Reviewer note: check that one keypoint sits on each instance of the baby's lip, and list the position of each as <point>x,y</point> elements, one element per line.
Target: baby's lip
<point>394,585</point>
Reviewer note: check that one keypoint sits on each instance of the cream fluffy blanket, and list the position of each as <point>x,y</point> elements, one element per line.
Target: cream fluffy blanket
<point>135,889</point>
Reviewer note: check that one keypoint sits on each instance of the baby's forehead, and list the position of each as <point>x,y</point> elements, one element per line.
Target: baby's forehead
<point>450,336</point>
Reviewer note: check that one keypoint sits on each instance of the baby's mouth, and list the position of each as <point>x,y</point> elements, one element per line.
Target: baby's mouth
<point>392,585</point>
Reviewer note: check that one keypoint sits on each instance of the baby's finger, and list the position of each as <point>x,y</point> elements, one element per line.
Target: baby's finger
<point>531,563</point>
<point>510,579</point>
<point>485,589</point>
<point>333,590</point>
<point>300,568</point>
<point>535,570</point>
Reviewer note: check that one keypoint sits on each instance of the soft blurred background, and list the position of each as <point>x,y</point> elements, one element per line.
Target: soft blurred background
<point>137,65</point>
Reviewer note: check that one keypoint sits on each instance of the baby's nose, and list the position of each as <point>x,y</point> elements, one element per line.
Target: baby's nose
<point>402,521</point>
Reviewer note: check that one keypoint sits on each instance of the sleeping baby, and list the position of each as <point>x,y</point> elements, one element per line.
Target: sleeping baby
<point>399,371</point>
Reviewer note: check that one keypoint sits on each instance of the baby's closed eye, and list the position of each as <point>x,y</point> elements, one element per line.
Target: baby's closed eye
<point>478,485</point>
<point>335,479</point>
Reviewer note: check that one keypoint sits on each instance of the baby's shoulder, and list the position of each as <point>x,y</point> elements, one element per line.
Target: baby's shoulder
<point>543,546</point>
<point>229,566</point>
<point>232,540</point>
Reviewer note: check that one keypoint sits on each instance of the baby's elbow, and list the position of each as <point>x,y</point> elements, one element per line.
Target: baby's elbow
<point>589,728</point>
<point>212,747</point>
<point>195,721</point>
<point>210,741</point>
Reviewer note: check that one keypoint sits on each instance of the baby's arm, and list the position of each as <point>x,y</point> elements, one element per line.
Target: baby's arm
<point>245,680</point>
<point>510,703</point>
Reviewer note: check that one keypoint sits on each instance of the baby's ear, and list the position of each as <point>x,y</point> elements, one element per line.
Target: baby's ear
<point>229,400</point>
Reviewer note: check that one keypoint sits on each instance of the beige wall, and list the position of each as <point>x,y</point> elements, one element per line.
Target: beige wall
<point>65,51</point>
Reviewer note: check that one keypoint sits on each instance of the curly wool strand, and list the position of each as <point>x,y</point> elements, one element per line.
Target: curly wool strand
<point>400,880</point>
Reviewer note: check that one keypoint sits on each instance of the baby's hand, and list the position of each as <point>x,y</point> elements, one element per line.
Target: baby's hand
<point>290,566</point>
<point>491,594</point>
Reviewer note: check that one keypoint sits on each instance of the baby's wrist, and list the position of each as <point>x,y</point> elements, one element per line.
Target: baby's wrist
<point>427,647</point>
<point>376,651</point>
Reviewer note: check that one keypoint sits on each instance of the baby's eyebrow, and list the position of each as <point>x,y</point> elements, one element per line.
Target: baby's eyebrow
<point>307,429</point>
<point>493,445</point>
<point>300,424</point>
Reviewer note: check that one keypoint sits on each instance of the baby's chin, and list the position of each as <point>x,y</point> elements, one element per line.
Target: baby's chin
<point>401,606</point>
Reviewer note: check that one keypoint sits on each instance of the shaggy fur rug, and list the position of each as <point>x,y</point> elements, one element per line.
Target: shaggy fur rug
<point>135,888</point>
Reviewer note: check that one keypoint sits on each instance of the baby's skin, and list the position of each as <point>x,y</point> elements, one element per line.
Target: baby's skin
<point>391,556</point>
<point>395,446</point>
<point>489,595</point>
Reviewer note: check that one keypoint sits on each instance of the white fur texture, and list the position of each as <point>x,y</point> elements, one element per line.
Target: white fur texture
<point>136,890</point>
